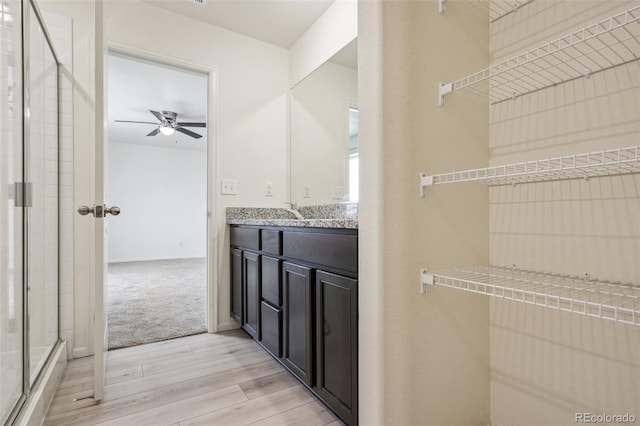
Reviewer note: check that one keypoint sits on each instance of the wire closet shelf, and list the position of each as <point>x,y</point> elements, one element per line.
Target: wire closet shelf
<point>600,46</point>
<point>609,162</point>
<point>600,299</point>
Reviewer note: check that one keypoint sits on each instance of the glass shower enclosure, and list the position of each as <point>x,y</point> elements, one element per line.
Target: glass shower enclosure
<point>29,212</point>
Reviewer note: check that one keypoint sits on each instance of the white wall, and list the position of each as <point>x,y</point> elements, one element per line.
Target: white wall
<point>249,125</point>
<point>320,133</point>
<point>336,28</point>
<point>162,193</point>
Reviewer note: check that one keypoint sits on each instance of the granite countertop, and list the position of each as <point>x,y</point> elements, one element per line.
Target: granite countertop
<point>342,215</point>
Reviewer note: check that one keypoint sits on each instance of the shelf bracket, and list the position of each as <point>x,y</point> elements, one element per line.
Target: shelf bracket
<point>443,89</point>
<point>424,182</point>
<point>441,6</point>
<point>425,279</point>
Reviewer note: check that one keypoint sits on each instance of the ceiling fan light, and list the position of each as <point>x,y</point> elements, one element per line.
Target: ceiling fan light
<point>167,130</point>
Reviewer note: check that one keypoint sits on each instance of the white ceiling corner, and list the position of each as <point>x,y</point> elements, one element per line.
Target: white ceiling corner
<point>347,56</point>
<point>279,22</point>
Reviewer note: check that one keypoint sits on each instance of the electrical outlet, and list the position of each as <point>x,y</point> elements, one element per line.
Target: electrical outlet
<point>268,189</point>
<point>307,191</point>
<point>229,187</point>
<point>338,192</point>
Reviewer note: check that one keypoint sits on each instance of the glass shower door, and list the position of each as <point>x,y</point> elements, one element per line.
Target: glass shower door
<point>11,214</point>
<point>29,216</point>
<point>42,212</point>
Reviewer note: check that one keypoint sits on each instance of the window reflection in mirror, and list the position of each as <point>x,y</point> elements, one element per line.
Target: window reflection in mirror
<point>354,182</point>
<point>324,135</point>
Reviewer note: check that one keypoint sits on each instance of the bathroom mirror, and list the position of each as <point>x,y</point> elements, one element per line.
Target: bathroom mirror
<point>324,132</point>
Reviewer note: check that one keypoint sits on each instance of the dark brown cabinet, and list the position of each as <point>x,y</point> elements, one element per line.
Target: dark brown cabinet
<point>271,309</point>
<point>271,323</point>
<point>336,342</point>
<point>251,273</point>
<point>295,291</point>
<point>298,321</point>
<point>236,284</point>
<point>272,280</point>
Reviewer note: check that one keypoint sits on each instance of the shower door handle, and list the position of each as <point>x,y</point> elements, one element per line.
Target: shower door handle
<point>99,211</point>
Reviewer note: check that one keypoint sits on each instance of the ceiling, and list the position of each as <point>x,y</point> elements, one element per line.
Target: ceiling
<point>136,86</point>
<point>279,22</point>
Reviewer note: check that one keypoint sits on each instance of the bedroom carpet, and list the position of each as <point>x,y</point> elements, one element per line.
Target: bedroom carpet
<point>155,300</point>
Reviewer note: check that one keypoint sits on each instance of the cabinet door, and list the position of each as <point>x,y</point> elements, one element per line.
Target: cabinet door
<point>251,274</point>
<point>271,329</point>
<point>297,311</point>
<point>336,299</point>
<point>236,285</point>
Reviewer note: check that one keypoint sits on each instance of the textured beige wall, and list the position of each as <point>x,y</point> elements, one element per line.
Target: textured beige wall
<point>546,365</point>
<point>423,358</point>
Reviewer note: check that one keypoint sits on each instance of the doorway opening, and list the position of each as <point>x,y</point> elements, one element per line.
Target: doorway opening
<point>157,174</point>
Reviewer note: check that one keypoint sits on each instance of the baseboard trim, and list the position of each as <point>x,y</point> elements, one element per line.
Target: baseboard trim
<point>35,408</point>
<point>80,352</point>
<point>151,259</point>
<point>226,326</point>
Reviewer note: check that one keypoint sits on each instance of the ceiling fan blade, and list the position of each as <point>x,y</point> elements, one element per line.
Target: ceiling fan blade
<point>154,132</point>
<point>188,132</point>
<point>127,121</point>
<point>158,115</point>
<point>192,124</point>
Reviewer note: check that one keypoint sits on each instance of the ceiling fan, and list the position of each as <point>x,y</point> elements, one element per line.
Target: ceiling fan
<point>169,124</point>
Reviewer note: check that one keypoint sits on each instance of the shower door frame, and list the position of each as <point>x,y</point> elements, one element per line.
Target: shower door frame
<point>27,7</point>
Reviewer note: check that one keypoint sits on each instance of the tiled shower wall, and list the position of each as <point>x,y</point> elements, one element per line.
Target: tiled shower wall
<point>61,30</point>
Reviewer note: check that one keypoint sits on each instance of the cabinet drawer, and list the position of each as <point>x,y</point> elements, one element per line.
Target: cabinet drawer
<point>272,329</point>
<point>333,250</point>
<point>272,280</point>
<point>271,241</point>
<point>245,237</point>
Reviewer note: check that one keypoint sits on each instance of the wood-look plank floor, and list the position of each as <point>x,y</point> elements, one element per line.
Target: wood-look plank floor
<point>207,379</point>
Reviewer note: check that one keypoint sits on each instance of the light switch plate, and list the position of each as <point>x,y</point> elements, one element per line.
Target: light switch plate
<point>229,187</point>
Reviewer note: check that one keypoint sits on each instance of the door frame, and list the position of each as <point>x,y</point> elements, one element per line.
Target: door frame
<point>212,119</point>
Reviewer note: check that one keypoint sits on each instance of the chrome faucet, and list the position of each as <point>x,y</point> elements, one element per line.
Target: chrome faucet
<point>294,210</point>
<point>293,206</point>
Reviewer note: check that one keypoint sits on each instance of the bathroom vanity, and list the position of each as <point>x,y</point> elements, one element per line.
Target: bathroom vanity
<point>294,289</point>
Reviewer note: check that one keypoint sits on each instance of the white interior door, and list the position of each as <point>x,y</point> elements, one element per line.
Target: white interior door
<point>101,211</point>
